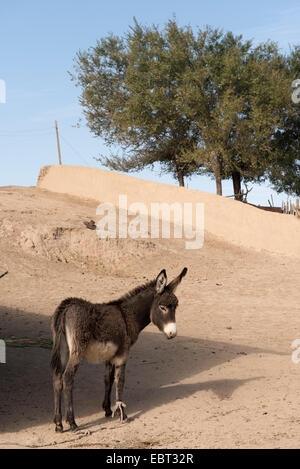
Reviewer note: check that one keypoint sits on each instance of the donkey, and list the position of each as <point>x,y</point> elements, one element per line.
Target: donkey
<point>105,332</point>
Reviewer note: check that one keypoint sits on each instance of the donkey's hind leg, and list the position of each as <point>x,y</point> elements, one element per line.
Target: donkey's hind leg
<point>57,388</point>
<point>109,381</point>
<point>68,381</point>
<point>58,383</point>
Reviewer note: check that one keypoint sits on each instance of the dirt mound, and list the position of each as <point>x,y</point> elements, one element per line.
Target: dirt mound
<point>61,236</point>
<point>80,246</point>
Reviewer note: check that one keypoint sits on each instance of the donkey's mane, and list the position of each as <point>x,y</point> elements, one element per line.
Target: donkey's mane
<point>134,292</point>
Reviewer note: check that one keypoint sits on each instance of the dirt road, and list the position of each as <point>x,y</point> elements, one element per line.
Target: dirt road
<point>227,379</point>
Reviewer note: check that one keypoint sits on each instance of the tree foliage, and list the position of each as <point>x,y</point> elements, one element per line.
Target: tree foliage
<point>193,102</point>
<point>284,173</point>
<point>130,88</point>
<point>245,99</point>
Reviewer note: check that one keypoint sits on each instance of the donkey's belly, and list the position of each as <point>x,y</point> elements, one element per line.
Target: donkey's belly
<point>100,351</point>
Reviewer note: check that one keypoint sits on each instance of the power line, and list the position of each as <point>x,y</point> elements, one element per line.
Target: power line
<point>9,133</point>
<point>25,133</point>
<point>74,150</point>
<point>13,133</point>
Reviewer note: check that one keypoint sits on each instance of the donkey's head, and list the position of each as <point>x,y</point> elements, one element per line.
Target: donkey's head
<point>165,303</point>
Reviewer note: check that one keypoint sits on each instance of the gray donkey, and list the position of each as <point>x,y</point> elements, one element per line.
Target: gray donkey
<point>105,332</point>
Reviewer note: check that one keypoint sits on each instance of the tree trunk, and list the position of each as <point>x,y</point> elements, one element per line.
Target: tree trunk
<point>218,176</point>
<point>180,177</point>
<point>219,185</point>
<point>236,179</point>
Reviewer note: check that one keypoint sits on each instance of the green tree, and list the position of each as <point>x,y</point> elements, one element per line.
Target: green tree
<point>244,100</point>
<point>285,171</point>
<point>204,102</point>
<point>130,89</point>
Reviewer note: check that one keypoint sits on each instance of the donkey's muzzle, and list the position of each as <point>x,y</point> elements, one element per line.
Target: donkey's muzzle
<point>170,330</point>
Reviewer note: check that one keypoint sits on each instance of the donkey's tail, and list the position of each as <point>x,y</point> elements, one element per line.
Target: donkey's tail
<point>58,332</point>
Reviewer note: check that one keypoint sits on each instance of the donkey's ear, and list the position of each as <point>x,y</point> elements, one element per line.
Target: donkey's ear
<point>161,281</point>
<point>174,284</point>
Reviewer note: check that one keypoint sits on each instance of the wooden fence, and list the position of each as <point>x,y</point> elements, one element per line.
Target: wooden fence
<point>291,208</point>
<point>288,208</point>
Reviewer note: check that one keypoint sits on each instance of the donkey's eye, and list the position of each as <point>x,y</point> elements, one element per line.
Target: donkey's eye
<point>163,308</point>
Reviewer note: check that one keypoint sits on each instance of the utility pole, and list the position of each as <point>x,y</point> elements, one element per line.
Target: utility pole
<point>58,145</point>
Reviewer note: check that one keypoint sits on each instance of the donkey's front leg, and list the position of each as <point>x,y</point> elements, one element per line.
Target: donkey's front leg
<point>119,382</point>
<point>109,381</point>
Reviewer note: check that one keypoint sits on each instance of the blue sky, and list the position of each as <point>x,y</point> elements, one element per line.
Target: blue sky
<point>38,41</point>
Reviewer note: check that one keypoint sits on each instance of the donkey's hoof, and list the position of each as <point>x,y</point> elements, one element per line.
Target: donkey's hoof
<point>119,411</point>
<point>73,427</point>
<point>108,412</point>
<point>59,429</point>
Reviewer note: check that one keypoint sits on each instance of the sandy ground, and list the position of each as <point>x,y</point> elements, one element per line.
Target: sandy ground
<point>226,381</point>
